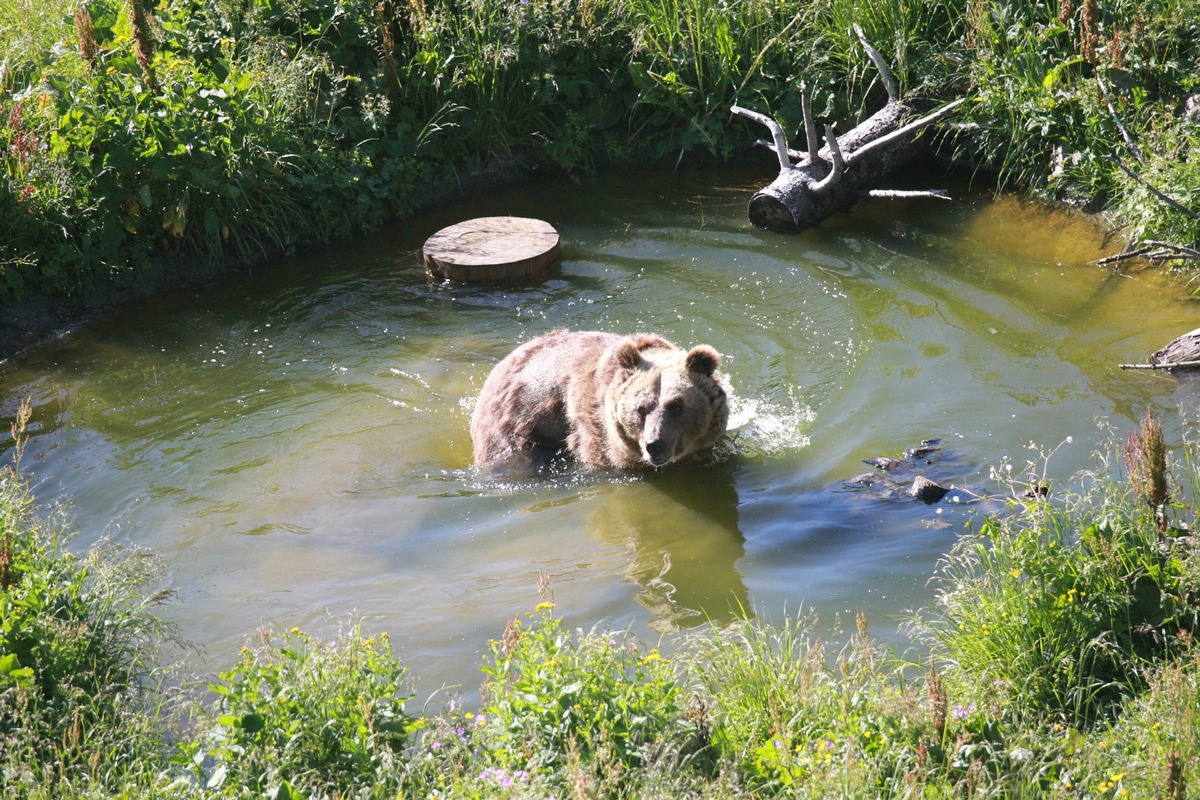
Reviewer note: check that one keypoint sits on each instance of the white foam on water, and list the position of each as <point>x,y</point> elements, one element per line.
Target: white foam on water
<point>763,428</point>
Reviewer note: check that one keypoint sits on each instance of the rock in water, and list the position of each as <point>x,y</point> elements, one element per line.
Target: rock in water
<point>885,462</point>
<point>927,491</point>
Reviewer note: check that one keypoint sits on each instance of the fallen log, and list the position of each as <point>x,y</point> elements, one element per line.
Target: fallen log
<point>1181,353</point>
<point>826,180</point>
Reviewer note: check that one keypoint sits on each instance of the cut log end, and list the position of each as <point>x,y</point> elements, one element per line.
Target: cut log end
<point>491,250</point>
<point>771,213</point>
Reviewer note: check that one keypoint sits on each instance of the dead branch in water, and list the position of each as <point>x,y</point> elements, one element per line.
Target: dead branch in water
<point>817,182</point>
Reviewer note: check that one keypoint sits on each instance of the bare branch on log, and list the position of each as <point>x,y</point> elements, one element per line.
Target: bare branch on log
<point>810,127</point>
<point>781,148</point>
<point>1171,365</point>
<point>1133,148</point>
<point>794,154</point>
<point>1170,201</point>
<point>885,74</point>
<point>835,156</point>
<point>812,186</point>
<point>906,130</point>
<point>901,194</point>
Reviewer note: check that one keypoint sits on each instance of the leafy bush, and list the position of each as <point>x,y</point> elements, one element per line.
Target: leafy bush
<point>305,715</point>
<point>597,703</point>
<point>792,721</point>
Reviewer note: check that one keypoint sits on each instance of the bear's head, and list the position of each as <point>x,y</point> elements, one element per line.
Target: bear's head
<point>670,405</point>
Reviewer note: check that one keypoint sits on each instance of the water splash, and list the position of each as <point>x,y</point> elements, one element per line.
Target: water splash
<point>762,428</point>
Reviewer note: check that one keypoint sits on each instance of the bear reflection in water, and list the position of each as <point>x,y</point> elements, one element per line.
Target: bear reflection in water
<point>608,400</point>
<point>682,534</point>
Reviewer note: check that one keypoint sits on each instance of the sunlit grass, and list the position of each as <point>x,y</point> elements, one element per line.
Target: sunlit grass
<point>271,126</point>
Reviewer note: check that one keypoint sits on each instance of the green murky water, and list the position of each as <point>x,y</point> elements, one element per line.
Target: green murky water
<point>295,443</point>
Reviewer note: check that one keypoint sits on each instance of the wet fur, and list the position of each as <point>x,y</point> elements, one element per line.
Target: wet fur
<point>595,395</point>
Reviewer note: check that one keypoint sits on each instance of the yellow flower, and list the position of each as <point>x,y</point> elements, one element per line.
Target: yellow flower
<point>545,605</point>
<point>294,630</point>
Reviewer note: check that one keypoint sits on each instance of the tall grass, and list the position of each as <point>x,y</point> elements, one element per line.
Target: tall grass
<point>1061,610</point>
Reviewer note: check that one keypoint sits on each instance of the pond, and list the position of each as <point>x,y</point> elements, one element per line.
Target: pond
<point>294,442</point>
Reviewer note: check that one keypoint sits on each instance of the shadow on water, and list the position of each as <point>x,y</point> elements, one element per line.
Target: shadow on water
<point>680,528</point>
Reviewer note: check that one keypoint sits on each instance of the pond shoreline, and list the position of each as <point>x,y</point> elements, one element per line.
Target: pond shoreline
<point>40,318</point>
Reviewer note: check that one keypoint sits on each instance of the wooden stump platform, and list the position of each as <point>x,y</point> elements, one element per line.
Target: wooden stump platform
<point>491,249</point>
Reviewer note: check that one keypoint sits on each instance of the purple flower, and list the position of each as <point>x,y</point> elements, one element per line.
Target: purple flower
<point>500,776</point>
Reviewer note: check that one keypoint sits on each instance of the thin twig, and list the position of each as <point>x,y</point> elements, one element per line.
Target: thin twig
<point>1141,251</point>
<point>1170,201</point>
<point>796,154</point>
<point>1163,255</point>
<point>810,127</point>
<point>1182,249</point>
<point>835,156</point>
<point>1133,148</point>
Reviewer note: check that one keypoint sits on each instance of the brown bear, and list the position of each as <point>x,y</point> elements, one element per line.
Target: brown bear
<point>609,400</point>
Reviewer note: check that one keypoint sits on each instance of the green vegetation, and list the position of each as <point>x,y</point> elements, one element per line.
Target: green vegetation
<point>1062,663</point>
<point>79,699</point>
<point>1062,658</point>
<point>137,132</point>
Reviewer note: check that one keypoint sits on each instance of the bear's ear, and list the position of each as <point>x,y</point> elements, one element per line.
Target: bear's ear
<point>628,356</point>
<point>648,341</point>
<point>703,359</point>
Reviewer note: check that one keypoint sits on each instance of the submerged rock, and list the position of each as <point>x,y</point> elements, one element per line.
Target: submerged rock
<point>924,451</point>
<point>864,479</point>
<point>901,478</point>
<point>886,463</point>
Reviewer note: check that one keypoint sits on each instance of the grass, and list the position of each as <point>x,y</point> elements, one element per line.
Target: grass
<point>1061,662</point>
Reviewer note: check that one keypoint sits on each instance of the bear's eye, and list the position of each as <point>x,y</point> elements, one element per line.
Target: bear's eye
<point>674,408</point>
<point>644,410</point>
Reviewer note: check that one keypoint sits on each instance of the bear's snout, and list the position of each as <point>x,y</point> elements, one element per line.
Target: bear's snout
<point>659,452</point>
